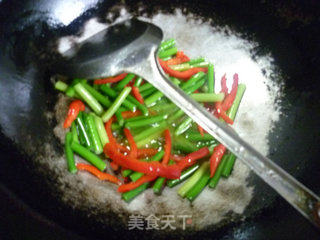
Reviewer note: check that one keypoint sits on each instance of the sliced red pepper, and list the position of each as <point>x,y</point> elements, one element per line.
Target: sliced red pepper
<point>146,152</point>
<point>180,58</point>
<point>228,101</point>
<point>74,108</point>
<point>181,75</point>
<point>148,168</point>
<point>216,158</point>
<point>111,79</point>
<point>200,129</point>
<point>96,172</point>
<point>191,158</point>
<point>130,114</point>
<point>167,147</point>
<point>221,113</point>
<point>132,185</point>
<point>176,158</point>
<point>114,166</point>
<point>137,95</point>
<point>224,87</point>
<point>112,139</point>
<point>133,146</point>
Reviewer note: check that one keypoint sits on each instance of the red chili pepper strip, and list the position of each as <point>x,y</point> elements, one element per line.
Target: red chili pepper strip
<point>216,158</point>
<point>180,58</point>
<point>137,95</point>
<point>74,108</point>
<point>146,152</point>
<point>96,172</point>
<point>191,158</point>
<point>181,75</point>
<point>221,113</point>
<point>176,158</point>
<point>132,185</point>
<point>112,139</point>
<point>132,143</point>
<point>224,87</point>
<point>110,79</point>
<point>200,129</point>
<point>148,168</point>
<point>228,101</point>
<point>167,147</point>
<point>114,166</point>
<point>130,114</point>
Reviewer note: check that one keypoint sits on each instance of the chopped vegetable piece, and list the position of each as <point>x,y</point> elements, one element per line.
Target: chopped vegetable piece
<point>180,58</point>
<point>128,78</point>
<point>235,106</point>
<point>83,134</point>
<point>216,158</point>
<point>168,53</point>
<point>144,134</point>
<point>207,97</point>
<point>147,152</point>
<point>119,117</point>
<point>138,82</point>
<point>196,77</point>
<point>210,78</point>
<point>151,169</point>
<point>181,75</point>
<point>74,132</point>
<point>61,86</point>
<point>74,108</point>
<point>184,175</point>
<point>110,79</point>
<point>93,132</point>
<point>184,126</point>
<point>140,106</point>
<point>200,129</point>
<point>89,156</point>
<point>195,137</point>
<point>196,60</point>
<point>128,196</point>
<point>129,114</point>
<point>116,104</point>
<point>156,158</point>
<point>193,179</point>
<point>200,185</point>
<point>126,172</point>
<point>137,95</point>
<point>88,98</point>
<point>215,179</point>
<point>101,130</point>
<point>226,171</point>
<point>132,185</point>
<point>146,121</point>
<point>145,87</point>
<point>183,144</point>
<point>158,185</point>
<point>167,44</point>
<point>113,94</point>
<point>133,145</point>
<point>69,153</point>
<point>96,172</point>
<point>191,158</point>
<point>101,98</point>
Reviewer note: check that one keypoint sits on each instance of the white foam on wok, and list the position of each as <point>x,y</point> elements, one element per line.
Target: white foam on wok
<point>256,116</point>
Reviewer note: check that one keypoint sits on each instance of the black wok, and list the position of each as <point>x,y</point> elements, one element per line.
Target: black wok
<point>31,206</point>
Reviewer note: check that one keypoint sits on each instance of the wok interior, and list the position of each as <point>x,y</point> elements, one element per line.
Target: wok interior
<point>30,94</point>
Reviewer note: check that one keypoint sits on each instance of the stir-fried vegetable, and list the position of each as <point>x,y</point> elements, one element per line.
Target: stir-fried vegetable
<point>146,138</point>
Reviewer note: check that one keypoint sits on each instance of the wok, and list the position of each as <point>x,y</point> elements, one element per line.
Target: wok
<point>31,206</point>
